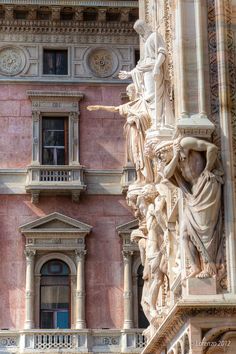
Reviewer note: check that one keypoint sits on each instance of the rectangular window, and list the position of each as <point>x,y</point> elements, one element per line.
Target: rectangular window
<point>55,62</point>
<point>55,140</point>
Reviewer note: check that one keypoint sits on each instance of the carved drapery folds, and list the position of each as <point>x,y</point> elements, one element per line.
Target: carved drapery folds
<point>178,203</point>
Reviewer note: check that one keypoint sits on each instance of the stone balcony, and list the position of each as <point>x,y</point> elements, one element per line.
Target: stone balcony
<point>51,180</point>
<point>72,341</point>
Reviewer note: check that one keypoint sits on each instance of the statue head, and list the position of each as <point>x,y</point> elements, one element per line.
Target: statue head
<point>150,192</point>
<point>143,29</point>
<point>131,92</point>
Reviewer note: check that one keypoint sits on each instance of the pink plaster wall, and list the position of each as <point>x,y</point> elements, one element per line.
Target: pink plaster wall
<point>104,266</point>
<point>100,132</point>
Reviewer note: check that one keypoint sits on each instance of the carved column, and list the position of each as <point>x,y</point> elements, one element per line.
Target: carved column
<point>74,138</point>
<point>36,137</point>
<point>180,46</point>
<point>80,290</point>
<point>200,56</point>
<point>29,290</point>
<point>128,296</point>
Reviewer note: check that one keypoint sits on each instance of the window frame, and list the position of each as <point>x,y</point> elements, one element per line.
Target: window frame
<point>66,135</point>
<point>55,104</point>
<point>72,286</point>
<point>69,295</point>
<point>55,47</point>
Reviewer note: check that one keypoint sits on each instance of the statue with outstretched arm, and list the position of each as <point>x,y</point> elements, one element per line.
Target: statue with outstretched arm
<point>137,122</point>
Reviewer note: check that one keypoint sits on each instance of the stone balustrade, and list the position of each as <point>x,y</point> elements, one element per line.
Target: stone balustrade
<point>55,179</point>
<point>72,341</point>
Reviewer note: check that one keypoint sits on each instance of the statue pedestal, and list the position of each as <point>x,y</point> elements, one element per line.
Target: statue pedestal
<point>195,286</point>
<point>196,125</point>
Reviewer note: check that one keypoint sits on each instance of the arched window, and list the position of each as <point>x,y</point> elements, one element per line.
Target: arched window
<point>142,320</point>
<point>55,295</point>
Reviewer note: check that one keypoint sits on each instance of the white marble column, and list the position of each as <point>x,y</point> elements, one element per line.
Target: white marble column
<point>29,290</point>
<point>182,69</point>
<point>80,290</point>
<point>200,58</point>
<point>128,296</point>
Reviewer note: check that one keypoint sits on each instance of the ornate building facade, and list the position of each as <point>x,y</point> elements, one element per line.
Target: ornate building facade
<point>117,176</point>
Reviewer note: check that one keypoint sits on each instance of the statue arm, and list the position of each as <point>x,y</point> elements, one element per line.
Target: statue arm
<point>160,60</point>
<point>190,143</point>
<point>169,170</point>
<point>103,108</point>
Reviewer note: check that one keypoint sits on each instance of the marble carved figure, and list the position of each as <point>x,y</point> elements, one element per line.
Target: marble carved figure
<point>137,122</point>
<point>150,76</point>
<point>195,169</point>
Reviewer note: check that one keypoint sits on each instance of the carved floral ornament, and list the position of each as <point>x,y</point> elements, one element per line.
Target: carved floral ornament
<point>102,62</point>
<point>12,60</point>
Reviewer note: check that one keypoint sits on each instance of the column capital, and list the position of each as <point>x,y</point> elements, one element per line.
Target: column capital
<point>80,254</point>
<point>29,254</point>
<point>127,255</point>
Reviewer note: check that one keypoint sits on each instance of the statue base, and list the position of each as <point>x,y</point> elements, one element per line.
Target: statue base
<point>160,133</point>
<point>195,286</point>
<point>197,125</point>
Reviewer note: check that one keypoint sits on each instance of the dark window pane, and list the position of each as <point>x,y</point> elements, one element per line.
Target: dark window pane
<point>43,15</point>
<point>67,16</point>
<point>142,320</point>
<point>90,16</point>
<point>55,267</point>
<point>112,16</point>
<point>53,141</point>
<point>53,138</point>
<point>47,320</point>
<point>54,297</point>
<point>53,156</point>
<point>20,14</point>
<point>55,62</point>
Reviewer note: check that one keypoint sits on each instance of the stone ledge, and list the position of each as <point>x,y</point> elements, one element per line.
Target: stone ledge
<point>93,3</point>
<point>180,312</point>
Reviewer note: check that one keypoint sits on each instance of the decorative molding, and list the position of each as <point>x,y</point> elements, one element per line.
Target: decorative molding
<point>12,60</point>
<point>58,94</point>
<point>178,316</point>
<point>102,62</point>
<point>90,3</point>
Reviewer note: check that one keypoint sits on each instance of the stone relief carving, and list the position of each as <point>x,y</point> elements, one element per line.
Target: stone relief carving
<point>102,62</point>
<point>12,61</point>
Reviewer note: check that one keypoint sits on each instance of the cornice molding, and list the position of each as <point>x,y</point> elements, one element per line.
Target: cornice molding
<point>93,3</point>
<point>177,317</point>
<point>70,27</point>
<point>34,94</point>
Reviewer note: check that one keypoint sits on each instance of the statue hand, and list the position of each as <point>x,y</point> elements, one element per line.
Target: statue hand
<point>93,108</point>
<point>176,149</point>
<point>124,75</point>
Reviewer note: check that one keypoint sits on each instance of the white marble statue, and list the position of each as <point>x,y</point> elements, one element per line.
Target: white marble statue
<point>156,262</point>
<point>195,169</point>
<point>150,76</point>
<point>137,122</point>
